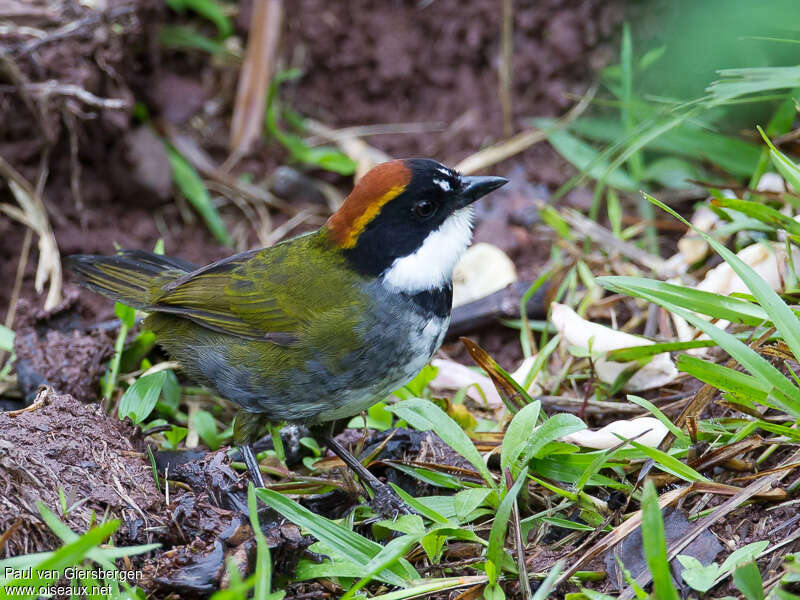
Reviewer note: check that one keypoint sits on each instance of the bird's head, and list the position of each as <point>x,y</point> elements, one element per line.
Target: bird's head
<point>409,221</point>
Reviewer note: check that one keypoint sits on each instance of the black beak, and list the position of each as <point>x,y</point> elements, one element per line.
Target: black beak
<point>473,187</point>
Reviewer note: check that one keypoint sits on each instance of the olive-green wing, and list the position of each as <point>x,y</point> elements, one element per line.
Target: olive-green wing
<point>269,294</point>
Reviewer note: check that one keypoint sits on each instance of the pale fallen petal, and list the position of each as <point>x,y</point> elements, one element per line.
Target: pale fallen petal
<point>769,260</point>
<point>579,332</point>
<point>483,270</point>
<point>771,182</point>
<point>605,438</point>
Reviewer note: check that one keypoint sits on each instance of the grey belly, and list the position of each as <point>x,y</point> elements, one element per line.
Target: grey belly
<point>394,352</point>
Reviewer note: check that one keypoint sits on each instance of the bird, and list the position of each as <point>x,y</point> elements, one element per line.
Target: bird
<point>319,327</point>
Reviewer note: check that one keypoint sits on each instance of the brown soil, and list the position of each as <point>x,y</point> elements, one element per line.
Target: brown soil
<point>45,450</point>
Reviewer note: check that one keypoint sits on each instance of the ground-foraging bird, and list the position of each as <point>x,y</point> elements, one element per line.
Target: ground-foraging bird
<point>319,327</point>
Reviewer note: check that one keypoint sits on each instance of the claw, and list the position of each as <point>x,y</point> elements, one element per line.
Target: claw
<point>388,504</point>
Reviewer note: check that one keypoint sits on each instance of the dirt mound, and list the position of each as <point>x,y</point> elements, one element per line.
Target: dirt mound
<point>45,450</point>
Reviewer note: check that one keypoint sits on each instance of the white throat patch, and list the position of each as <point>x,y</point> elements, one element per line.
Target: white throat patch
<point>431,266</point>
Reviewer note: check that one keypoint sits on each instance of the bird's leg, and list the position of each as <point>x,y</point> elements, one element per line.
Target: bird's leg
<point>247,430</point>
<point>385,500</point>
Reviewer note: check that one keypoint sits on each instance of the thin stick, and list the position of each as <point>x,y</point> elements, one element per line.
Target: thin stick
<point>21,265</point>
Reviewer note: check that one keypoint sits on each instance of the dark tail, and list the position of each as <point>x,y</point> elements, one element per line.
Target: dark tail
<point>133,277</point>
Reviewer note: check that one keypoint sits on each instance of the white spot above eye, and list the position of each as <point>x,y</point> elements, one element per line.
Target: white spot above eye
<point>444,171</point>
<point>445,185</point>
<point>431,265</point>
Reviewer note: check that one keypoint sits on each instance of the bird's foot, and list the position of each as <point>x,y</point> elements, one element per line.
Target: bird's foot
<point>387,503</point>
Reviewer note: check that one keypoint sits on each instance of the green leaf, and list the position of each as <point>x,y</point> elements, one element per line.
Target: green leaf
<point>175,435</point>
<point>734,83</point>
<point>193,188</point>
<point>519,430</point>
<point>389,554</point>
<point>125,313</point>
<point>425,416</point>
<point>656,412</point>
<point>205,425</point>
<point>140,399</point>
<point>761,212</point>
<point>697,576</point>
<point>747,553</point>
<point>468,500</point>
<point>655,545</point>
<point>263,574</point>
<point>6,339</point>
<point>724,378</point>
<point>747,579</point>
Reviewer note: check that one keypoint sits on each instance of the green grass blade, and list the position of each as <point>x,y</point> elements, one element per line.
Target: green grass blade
<point>357,548</point>
<point>780,314</point>
<point>49,570</point>
<point>192,186</point>
<point>655,545</point>
<point>746,356</point>
<point>706,303</point>
<point>669,463</point>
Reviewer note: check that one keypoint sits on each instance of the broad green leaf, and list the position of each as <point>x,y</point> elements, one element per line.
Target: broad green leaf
<point>748,553</point>
<point>468,500</point>
<point>697,576</point>
<point>425,416</point>
<point>206,427</point>
<point>140,399</point>
<point>517,434</point>
<point>553,428</point>
<point>747,579</point>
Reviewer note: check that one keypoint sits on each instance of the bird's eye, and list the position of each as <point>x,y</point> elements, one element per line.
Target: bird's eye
<point>424,209</point>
